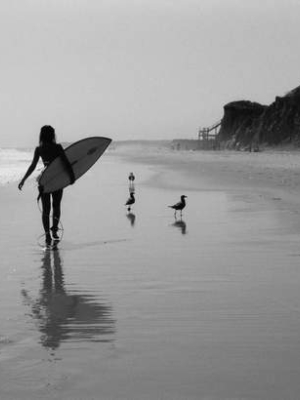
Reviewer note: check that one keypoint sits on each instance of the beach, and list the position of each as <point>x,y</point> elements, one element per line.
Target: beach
<point>141,305</point>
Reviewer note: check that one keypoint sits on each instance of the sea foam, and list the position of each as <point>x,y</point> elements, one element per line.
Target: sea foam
<point>13,164</point>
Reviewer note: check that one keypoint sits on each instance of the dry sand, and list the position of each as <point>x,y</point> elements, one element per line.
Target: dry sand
<point>142,306</point>
<point>277,171</point>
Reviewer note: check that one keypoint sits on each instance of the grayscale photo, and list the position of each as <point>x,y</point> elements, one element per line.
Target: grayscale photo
<point>150,200</point>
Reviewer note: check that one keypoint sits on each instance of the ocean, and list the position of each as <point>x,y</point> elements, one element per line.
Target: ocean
<point>13,164</point>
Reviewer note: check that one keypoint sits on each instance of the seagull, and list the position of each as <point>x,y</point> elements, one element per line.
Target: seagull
<point>180,205</point>
<point>130,201</point>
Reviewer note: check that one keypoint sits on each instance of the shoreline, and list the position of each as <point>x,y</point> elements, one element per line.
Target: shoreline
<point>272,176</point>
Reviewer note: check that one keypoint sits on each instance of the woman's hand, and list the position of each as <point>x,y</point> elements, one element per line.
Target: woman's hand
<point>20,185</point>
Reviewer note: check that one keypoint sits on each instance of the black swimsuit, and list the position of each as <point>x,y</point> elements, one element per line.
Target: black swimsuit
<point>48,152</point>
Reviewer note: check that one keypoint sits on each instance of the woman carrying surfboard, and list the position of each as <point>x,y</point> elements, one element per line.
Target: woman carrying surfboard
<point>48,150</point>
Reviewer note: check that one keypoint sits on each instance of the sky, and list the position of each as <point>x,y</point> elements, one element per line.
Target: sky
<point>139,69</point>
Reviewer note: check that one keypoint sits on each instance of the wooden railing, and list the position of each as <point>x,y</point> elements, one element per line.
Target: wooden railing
<point>208,136</point>
<point>205,133</point>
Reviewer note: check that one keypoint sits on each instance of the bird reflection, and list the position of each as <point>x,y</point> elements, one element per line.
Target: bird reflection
<point>131,218</point>
<point>179,223</point>
<point>61,315</point>
<point>131,199</point>
<point>131,178</point>
<point>131,188</point>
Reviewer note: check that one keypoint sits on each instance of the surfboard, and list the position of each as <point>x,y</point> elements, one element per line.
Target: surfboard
<point>82,156</point>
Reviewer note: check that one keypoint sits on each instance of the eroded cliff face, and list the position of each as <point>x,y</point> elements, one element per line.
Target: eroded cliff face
<point>247,125</point>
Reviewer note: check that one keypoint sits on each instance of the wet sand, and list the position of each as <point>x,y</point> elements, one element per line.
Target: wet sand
<point>144,306</point>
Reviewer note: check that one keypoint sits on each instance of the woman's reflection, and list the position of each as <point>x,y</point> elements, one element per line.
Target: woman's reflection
<point>61,315</point>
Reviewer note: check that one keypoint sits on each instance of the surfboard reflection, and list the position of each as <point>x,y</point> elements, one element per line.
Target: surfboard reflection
<point>61,315</point>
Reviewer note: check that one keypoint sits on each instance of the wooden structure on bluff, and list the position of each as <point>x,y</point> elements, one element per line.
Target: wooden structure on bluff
<point>208,137</point>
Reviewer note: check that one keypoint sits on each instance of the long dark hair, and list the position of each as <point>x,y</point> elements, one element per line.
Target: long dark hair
<point>47,135</point>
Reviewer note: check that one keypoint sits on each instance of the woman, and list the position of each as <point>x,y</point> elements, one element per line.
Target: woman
<point>48,150</point>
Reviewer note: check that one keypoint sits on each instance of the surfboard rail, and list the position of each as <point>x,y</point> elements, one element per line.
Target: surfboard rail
<point>82,155</point>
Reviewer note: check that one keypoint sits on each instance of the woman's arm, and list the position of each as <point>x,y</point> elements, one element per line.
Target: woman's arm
<point>67,165</point>
<point>30,169</point>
